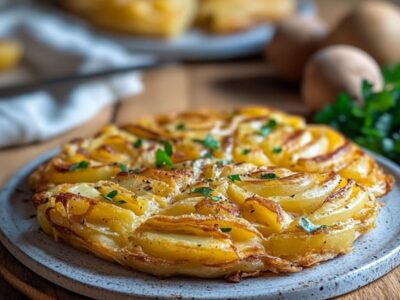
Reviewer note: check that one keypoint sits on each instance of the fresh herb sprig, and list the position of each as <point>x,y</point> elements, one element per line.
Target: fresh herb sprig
<point>375,124</point>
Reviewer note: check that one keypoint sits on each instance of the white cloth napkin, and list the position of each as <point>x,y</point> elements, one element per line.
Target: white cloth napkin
<point>54,46</point>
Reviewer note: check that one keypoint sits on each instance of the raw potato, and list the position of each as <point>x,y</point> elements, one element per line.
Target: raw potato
<point>338,69</point>
<point>294,42</point>
<point>374,27</point>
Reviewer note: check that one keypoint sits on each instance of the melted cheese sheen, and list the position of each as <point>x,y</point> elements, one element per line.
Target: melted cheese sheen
<point>232,206</point>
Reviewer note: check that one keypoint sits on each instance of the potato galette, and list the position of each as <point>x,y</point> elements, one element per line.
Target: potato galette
<point>211,194</point>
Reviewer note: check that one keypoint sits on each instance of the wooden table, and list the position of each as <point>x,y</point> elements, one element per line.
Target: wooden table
<point>181,87</point>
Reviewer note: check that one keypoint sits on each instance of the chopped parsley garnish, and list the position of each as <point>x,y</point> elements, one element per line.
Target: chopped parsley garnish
<point>123,167</point>
<point>269,176</point>
<point>226,229</point>
<point>120,201</point>
<point>208,154</point>
<point>277,150</point>
<point>268,127</point>
<point>235,177</point>
<point>81,165</point>
<point>111,195</point>
<point>205,191</point>
<point>215,198</point>
<point>246,151</point>
<point>180,126</point>
<point>209,142</point>
<point>308,226</point>
<point>138,143</point>
<point>163,159</point>
<point>167,148</point>
<point>222,163</point>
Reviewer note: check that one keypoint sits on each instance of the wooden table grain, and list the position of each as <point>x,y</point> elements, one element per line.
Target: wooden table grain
<point>177,88</point>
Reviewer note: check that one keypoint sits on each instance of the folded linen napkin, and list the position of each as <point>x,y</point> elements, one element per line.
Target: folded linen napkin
<point>54,46</point>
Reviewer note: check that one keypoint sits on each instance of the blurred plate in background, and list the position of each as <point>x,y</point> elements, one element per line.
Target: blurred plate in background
<point>199,45</point>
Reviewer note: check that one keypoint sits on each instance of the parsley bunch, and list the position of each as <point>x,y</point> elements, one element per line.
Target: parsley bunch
<point>376,123</point>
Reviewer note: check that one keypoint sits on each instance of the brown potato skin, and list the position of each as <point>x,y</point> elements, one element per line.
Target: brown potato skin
<point>294,42</point>
<point>374,27</point>
<point>338,69</point>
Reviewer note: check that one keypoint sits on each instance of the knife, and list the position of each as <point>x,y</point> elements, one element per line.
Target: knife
<point>20,88</point>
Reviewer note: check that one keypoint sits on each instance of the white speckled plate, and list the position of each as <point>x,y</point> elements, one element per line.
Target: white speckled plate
<point>374,255</point>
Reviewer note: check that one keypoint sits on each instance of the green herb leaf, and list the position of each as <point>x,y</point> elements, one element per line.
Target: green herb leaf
<point>120,201</point>
<point>222,163</point>
<point>209,142</point>
<point>268,127</point>
<point>235,177</point>
<point>215,198</point>
<point>277,150</point>
<point>123,167</point>
<point>81,165</point>
<point>163,159</point>
<point>366,89</point>
<point>208,154</point>
<point>180,126</point>
<point>167,148</point>
<point>110,196</point>
<point>308,226</point>
<point>205,191</point>
<point>246,151</point>
<point>269,176</point>
<point>226,229</point>
<point>375,124</point>
<point>138,143</point>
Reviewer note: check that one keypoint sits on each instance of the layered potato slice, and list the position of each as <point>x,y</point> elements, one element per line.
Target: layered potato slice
<point>160,18</point>
<point>256,135</point>
<point>221,16</point>
<point>222,220</point>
